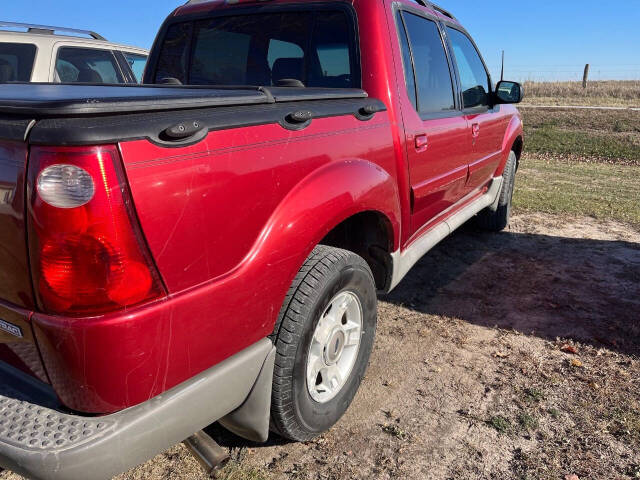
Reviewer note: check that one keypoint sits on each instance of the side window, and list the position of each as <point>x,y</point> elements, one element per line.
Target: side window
<point>407,63</point>
<point>136,63</point>
<point>473,76</point>
<point>87,65</point>
<point>16,62</point>
<point>433,77</point>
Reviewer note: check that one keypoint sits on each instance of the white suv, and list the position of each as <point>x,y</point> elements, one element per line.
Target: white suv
<point>39,53</point>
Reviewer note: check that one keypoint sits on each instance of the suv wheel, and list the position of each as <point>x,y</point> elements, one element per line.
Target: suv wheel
<point>497,220</point>
<point>323,339</point>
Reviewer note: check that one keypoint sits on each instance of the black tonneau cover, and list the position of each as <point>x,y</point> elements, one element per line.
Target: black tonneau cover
<point>48,100</point>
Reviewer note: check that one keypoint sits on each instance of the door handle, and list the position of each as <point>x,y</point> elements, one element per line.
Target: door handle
<point>422,142</point>
<point>475,130</point>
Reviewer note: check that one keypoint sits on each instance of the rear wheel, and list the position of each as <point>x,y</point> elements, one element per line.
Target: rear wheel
<point>498,219</point>
<point>323,339</point>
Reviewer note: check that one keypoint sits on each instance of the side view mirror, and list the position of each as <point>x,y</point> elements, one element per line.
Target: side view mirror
<point>508,92</point>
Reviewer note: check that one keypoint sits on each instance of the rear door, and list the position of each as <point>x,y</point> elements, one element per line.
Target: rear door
<point>435,128</point>
<point>486,122</point>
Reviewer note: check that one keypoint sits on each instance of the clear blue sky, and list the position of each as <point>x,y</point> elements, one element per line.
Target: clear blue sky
<point>543,39</point>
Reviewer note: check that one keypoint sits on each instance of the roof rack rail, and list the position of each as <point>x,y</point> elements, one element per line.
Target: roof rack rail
<point>437,8</point>
<point>49,30</point>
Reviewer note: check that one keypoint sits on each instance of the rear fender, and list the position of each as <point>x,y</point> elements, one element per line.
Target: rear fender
<point>319,203</point>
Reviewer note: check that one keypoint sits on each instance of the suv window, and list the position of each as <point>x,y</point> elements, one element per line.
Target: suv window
<point>137,63</point>
<point>473,76</point>
<point>315,47</point>
<point>407,62</point>
<point>87,65</point>
<point>16,62</point>
<point>433,78</point>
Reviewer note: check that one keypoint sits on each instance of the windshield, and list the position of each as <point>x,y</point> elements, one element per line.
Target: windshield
<point>16,62</point>
<point>316,49</point>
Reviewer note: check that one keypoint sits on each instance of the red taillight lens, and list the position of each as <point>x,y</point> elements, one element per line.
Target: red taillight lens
<point>87,253</point>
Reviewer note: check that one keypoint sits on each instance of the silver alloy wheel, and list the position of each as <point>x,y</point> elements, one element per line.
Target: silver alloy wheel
<point>334,347</point>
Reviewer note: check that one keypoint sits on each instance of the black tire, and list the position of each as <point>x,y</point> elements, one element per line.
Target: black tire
<point>497,220</point>
<point>327,272</point>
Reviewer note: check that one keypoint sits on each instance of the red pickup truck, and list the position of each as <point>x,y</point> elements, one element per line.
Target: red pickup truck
<point>209,246</point>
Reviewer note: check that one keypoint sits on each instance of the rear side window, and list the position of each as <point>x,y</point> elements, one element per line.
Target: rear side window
<point>136,63</point>
<point>473,75</point>
<point>87,65</point>
<point>407,62</point>
<point>16,62</point>
<point>432,75</point>
<point>316,48</point>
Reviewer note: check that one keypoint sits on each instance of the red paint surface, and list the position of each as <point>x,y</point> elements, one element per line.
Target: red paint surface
<point>229,221</point>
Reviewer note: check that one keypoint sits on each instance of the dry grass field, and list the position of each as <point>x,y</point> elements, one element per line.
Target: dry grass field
<point>601,93</point>
<point>512,356</point>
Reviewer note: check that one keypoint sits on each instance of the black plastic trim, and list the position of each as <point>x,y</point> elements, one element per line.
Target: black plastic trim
<point>15,128</point>
<point>54,100</point>
<point>150,125</point>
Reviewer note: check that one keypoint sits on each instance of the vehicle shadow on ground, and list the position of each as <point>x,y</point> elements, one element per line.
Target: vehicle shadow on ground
<point>552,287</point>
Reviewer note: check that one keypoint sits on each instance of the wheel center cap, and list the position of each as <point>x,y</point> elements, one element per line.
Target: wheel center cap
<point>334,347</point>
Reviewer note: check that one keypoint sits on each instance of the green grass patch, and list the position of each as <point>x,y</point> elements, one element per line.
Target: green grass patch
<point>554,139</point>
<point>501,424</point>
<point>533,395</point>
<point>600,190</point>
<point>527,422</point>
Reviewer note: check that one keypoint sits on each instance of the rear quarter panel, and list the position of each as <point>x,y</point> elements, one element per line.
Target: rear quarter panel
<point>229,222</point>
<point>203,208</point>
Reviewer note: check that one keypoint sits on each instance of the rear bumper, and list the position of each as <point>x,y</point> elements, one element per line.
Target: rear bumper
<point>43,443</point>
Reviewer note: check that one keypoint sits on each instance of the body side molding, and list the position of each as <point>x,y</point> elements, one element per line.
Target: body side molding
<point>403,261</point>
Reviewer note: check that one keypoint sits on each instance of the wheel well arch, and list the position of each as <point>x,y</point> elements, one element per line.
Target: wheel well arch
<point>370,235</point>
<point>517,148</point>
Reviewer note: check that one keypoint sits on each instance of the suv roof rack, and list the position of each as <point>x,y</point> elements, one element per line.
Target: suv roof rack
<point>49,30</point>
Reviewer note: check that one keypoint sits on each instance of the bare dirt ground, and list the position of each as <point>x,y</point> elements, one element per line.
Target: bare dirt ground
<point>500,356</point>
<point>508,356</point>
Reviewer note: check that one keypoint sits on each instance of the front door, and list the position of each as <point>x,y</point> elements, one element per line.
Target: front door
<point>486,122</point>
<point>437,134</point>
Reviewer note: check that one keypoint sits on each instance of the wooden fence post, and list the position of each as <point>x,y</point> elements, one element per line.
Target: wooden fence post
<point>585,77</point>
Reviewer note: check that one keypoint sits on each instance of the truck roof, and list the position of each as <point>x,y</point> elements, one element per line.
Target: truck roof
<point>199,6</point>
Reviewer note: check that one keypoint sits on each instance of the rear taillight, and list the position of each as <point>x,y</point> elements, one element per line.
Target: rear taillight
<point>87,252</point>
